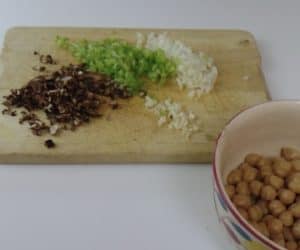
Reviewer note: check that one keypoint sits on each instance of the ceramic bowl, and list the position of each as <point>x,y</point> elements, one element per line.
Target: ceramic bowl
<point>263,129</point>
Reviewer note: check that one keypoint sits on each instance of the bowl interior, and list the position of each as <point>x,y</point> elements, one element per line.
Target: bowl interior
<point>262,129</point>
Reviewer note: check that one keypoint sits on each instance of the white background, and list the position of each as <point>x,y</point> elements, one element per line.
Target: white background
<point>153,207</point>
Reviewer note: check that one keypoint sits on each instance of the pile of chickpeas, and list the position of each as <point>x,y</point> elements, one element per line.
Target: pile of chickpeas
<point>266,192</point>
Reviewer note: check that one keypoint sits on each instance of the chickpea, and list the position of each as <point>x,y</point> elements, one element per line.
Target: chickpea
<point>291,245</point>
<point>296,165</point>
<point>244,165</point>
<point>279,242</point>
<point>281,167</point>
<point>254,224</point>
<point>249,174</point>
<point>269,161</point>
<point>230,190</point>
<point>243,212</point>
<point>275,226</point>
<point>290,153</point>
<point>268,218</point>
<point>287,218</point>
<point>276,207</point>
<point>259,177</point>
<point>255,187</point>
<point>279,239</point>
<point>287,233</point>
<point>243,201</point>
<point>263,162</point>
<point>295,209</point>
<point>255,213</point>
<point>252,159</point>
<point>287,196</point>
<point>262,228</point>
<point>263,206</point>
<point>243,188</point>
<point>265,170</point>
<point>268,193</point>
<point>296,230</point>
<point>274,181</point>
<point>277,236</point>
<point>293,182</point>
<point>234,177</point>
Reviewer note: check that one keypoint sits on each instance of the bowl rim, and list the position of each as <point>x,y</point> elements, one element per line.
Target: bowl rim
<point>220,185</point>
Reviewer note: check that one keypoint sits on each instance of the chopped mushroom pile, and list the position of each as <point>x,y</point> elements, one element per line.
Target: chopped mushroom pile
<point>69,97</point>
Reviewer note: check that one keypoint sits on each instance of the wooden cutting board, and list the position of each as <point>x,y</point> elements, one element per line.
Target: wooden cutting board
<point>131,134</point>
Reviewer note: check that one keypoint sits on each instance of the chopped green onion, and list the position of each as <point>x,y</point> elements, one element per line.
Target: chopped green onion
<point>125,63</point>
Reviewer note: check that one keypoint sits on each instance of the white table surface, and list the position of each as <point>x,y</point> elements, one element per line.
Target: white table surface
<point>138,207</point>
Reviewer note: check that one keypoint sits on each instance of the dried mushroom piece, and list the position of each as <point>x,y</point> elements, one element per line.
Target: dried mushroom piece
<point>45,59</point>
<point>49,143</point>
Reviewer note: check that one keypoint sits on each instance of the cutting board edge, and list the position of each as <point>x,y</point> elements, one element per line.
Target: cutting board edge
<point>13,28</point>
<point>265,85</point>
<point>195,158</point>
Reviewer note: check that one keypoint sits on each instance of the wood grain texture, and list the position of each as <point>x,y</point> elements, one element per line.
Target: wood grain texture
<point>130,134</point>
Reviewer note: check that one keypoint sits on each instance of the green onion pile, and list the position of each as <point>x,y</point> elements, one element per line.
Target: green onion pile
<point>125,63</point>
